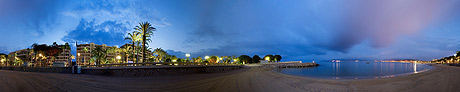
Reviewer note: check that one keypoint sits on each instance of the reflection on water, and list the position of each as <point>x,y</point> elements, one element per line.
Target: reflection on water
<point>357,70</point>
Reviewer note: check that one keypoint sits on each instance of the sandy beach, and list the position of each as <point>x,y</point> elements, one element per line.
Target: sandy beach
<point>441,79</point>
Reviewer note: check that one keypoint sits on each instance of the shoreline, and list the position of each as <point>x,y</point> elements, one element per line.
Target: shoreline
<point>442,78</point>
<point>345,78</point>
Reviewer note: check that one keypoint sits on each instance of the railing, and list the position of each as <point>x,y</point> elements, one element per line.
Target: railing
<point>152,64</point>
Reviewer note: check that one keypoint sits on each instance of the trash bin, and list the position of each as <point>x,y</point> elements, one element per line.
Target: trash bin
<point>76,69</point>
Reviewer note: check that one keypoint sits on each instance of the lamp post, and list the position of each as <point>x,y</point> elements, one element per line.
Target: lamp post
<point>267,58</point>
<point>40,62</point>
<point>118,58</point>
<point>206,57</point>
<point>187,55</point>
<point>78,56</point>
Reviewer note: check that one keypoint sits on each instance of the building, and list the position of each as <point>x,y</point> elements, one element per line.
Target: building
<point>84,53</point>
<point>26,56</point>
<point>17,58</point>
<point>64,56</point>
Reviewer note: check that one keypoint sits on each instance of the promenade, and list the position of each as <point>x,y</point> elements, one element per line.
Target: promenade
<point>441,79</point>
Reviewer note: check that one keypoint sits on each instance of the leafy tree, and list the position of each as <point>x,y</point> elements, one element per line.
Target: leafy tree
<point>168,60</point>
<point>146,31</point>
<point>134,38</point>
<point>199,59</point>
<point>269,57</point>
<point>256,59</point>
<point>3,58</point>
<point>179,60</point>
<point>244,59</point>
<point>277,58</point>
<point>213,59</point>
<point>458,53</point>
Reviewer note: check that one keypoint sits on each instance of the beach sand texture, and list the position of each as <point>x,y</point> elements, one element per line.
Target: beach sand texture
<point>441,79</point>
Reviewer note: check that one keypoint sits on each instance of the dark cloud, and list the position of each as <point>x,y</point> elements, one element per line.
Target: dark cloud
<point>384,22</point>
<point>109,32</point>
<point>36,15</point>
<point>179,54</point>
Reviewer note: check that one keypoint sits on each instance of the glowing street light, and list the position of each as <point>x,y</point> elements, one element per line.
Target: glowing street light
<point>206,57</point>
<point>118,57</point>
<point>187,55</point>
<point>40,55</point>
<point>267,58</point>
<point>77,54</point>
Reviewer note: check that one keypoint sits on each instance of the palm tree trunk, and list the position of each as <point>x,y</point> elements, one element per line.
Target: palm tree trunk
<point>134,50</point>
<point>143,46</point>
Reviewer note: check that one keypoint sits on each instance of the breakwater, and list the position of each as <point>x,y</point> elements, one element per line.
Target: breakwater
<point>291,65</point>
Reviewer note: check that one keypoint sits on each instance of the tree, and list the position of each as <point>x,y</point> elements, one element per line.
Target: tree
<point>458,53</point>
<point>160,53</point>
<point>146,31</point>
<point>277,58</point>
<point>199,59</point>
<point>133,38</point>
<point>98,54</point>
<point>40,50</point>
<point>3,58</point>
<point>126,51</point>
<point>244,59</point>
<point>256,59</point>
<point>213,59</point>
<point>269,57</point>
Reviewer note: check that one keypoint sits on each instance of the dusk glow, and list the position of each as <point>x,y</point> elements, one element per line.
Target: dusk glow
<point>229,45</point>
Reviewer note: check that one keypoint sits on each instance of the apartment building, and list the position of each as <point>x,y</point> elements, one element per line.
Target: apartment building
<point>27,55</point>
<point>84,53</point>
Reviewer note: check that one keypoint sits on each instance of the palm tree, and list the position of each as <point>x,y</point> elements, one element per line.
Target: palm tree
<point>85,50</point>
<point>133,38</point>
<point>98,53</point>
<point>146,31</point>
<point>160,53</point>
<point>126,51</point>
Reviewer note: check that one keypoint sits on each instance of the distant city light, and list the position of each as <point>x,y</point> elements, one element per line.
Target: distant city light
<point>187,55</point>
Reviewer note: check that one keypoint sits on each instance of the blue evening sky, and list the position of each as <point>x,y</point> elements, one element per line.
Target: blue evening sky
<point>296,29</point>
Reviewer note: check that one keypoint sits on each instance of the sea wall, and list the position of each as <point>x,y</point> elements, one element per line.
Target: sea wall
<point>40,69</point>
<point>151,71</point>
<point>291,65</point>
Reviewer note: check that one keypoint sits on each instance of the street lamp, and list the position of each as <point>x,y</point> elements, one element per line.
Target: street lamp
<point>118,58</point>
<point>187,55</point>
<point>78,56</point>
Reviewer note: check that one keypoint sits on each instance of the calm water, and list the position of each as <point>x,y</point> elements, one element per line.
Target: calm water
<point>357,70</point>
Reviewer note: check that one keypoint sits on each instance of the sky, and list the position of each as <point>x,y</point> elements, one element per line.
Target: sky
<point>298,30</point>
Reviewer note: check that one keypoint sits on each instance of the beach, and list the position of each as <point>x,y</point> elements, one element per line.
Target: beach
<point>252,79</point>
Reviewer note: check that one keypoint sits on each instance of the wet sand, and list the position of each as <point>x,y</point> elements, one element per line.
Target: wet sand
<point>440,79</point>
